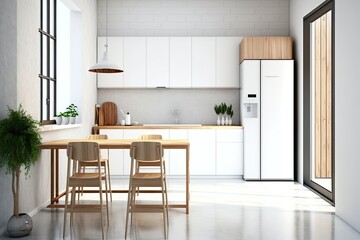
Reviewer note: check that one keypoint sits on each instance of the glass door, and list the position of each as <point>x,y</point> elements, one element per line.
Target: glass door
<point>319,100</point>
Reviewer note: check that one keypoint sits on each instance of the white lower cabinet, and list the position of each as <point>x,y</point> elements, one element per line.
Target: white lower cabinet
<point>202,151</point>
<point>212,151</point>
<point>229,152</point>
<point>116,156</point>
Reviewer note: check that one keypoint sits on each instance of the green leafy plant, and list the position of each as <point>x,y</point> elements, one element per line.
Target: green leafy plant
<point>19,147</point>
<point>229,111</point>
<point>223,108</point>
<point>72,111</point>
<point>217,109</point>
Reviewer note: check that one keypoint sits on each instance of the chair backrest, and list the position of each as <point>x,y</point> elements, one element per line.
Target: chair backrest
<point>150,137</point>
<point>96,136</point>
<point>146,151</point>
<point>83,151</point>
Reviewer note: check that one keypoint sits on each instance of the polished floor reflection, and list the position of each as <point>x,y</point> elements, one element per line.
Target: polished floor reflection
<point>223,209</point>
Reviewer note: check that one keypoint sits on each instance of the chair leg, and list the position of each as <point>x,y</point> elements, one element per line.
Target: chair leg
<point>127,211</point>
<point>164,210</point>
<point>73,193</point>
<point>65,211</point>
<point>133,199</point>
<point>108,178</point>
<point>107,201</point>
<point>101,210</point>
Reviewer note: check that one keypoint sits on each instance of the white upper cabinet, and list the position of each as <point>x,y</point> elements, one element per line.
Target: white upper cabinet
<point>203,62</point>
<point>227,62</point>
<point>157,60</point>
<point>116,56</point>
<point>134,62</point>
<point>180,62</point>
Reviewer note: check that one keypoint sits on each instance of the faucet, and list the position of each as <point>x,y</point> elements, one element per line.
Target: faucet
<point>176,113</point>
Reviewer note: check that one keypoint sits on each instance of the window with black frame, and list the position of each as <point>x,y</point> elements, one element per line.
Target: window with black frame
<point>47,75</point>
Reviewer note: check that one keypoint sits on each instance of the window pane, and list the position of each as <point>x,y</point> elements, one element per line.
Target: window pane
<point>52,15</point>
<point>44,92</point>
<point>52,59</point>
<point>52,97</point>
<point>44,15</point>
<point>44,56</point>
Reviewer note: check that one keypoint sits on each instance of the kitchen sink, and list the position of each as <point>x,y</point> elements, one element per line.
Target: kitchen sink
<point>173,124</point>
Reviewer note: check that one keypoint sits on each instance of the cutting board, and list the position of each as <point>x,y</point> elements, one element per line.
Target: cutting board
<point>108,114</point>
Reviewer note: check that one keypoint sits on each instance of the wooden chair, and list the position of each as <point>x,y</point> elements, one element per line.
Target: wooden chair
<point>79,152</point>
<point>104,162</point>
<point>148,164</point>
<point>147,152</point>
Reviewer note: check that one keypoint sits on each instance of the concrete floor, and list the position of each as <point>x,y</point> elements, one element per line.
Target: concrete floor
<point>223,209</point>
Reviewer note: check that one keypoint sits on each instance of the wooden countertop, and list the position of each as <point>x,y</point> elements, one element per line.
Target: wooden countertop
<point>96,128</point>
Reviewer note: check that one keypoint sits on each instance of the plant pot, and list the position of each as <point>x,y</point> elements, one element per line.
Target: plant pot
<point>222,120</point>
<point>230,121</point>
<point>226,120</point>
<point>72,120</point>
<point>58,120</point>
<point>19,226</point>
<point>218,120</point>
<point>65,120</point>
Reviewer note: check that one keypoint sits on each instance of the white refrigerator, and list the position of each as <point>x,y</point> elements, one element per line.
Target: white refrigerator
<point>267,115</point>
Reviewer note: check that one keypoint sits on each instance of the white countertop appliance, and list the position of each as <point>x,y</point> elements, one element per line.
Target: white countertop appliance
<point>267,115</point>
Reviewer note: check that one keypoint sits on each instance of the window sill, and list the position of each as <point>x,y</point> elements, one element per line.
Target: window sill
<point>54,127</point>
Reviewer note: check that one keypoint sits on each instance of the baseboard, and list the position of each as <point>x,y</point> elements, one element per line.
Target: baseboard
<point>31,214</point>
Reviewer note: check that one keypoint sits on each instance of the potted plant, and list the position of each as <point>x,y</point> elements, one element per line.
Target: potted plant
<point>223,111</point>
<point>19,148</point>
<point>58,118</point>
<point>72,112</point>
<point>229,113</point>
<point>217,109</point>
<point>65,117</point>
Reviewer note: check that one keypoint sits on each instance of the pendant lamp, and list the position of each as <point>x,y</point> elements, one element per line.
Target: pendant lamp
<point>104,66</point>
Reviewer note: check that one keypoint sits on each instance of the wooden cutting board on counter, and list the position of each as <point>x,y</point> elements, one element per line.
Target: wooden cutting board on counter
<point>108,114</point>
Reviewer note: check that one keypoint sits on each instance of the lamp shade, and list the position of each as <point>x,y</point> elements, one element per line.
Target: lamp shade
<point>104,66</point>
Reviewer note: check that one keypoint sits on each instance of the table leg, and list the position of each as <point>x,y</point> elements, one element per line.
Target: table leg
<point>187,178</point>
<point>52,170</point>
<point>57,174</point>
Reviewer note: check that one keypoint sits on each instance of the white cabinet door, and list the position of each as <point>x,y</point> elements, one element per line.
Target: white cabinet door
<point>135,62</point>
<point>116,156</point>
<point>229,151</point>
<point>177,162</point>
<point>227,62</point>
<point>157,61</point>
<point>116,56</point>
<point>203,62</point>
<point>135,134</point>
<point>180,62</point>
<point>202,151</point>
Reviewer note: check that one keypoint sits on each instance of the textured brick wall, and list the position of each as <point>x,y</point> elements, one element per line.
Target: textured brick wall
<point>194,17</point>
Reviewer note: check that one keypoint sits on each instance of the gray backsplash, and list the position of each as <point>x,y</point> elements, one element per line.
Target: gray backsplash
<point>156,105</point>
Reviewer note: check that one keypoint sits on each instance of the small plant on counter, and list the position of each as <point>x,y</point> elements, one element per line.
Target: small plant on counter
<point>217,109</point>
<point>72,110</point>
<point>230,114</point>
<point>223,111</point>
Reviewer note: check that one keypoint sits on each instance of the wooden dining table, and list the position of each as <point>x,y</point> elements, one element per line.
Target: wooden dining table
<point>56,146</point>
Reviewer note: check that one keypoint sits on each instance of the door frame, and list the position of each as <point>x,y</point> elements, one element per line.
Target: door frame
<point>307,20</point>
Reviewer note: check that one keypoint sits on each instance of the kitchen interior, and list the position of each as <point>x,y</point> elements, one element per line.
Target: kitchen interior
<point>179,60</point>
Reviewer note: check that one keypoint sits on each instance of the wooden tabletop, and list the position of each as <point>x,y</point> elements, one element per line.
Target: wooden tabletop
<point>115,143</point>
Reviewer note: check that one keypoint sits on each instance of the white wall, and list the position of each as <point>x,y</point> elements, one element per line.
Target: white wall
<point>22,82</point>
<point>347,112</point>
<point>299,9</point>
<point>194,18</point>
